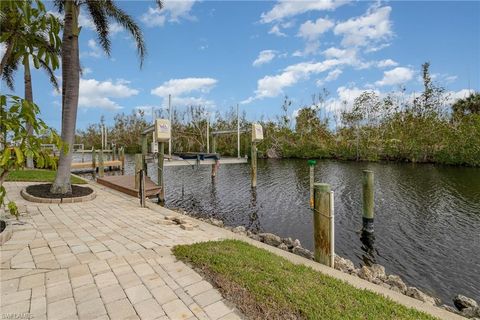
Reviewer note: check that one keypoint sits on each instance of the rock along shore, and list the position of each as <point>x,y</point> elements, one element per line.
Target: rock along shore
<point>374,273</point>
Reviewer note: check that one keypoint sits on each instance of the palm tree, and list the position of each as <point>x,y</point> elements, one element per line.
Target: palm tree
<point>100,12</point>
<point>29,33</point>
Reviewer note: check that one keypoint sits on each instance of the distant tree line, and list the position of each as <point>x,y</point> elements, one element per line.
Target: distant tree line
<point>424,128</point>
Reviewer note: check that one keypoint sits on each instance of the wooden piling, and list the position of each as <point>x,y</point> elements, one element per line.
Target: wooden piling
<point>101,169</point>
<point>368,201</point>
<point>254,164</point>
<point>161,157</point>
<point>215,168</point>
<point>311,164</point>
<point>323,224</point>
<point>122,159</point>
<point>114,153</point>
<point>94,162</point>
<point>214,143</point>
<point>144,151</point>
<point>141,189</point>
<point>138,168</point>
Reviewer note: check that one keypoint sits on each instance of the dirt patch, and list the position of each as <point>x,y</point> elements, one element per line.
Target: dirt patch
<point>43,191</point>
<point>245,301</point>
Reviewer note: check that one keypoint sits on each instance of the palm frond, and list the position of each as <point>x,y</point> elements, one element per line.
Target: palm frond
<point>51,75</point>
<point>8,71</point>
<point>129,24</point>
<point>100,20</point>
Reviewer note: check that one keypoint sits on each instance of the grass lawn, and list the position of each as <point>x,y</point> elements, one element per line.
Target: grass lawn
<point>38,176</point>
<point>265,286</point>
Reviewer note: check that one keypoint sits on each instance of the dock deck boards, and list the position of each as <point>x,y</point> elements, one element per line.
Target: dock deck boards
<point>89,165</point>
<point>126,184</point>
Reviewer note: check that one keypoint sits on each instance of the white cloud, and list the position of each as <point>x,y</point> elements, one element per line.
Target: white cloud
<point>332,75</point>
<point>276,31</point>
<point>264,56</point>
<point>289,8</point>
<point>95,51</point>
<point>387,63</point>
<point>177,87</point>
<point>312,30</point>
<point>399,75</point>
<point>461,94</point>
<point>374,26</point>
<point>99,94</point>
<point>172,11</point>
<point>86,71</point>
<point>272,86</point>
<point>311,47</point>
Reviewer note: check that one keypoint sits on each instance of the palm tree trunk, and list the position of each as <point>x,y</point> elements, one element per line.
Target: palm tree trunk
<point>70,91</point>
<point>27,77</point>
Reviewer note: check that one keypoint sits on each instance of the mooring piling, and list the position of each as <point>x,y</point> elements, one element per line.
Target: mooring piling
<point>254,164</point>
<point>138,167</point>
<point>101,169</point>
<point>323,224</point>
<point>94,160</point>
<point>141,189</point>
<point>161,157</point>
<point>311,164</point>
<point>368,201</point>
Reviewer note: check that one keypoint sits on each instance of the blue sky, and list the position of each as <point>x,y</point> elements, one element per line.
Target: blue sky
<point>254,53</point>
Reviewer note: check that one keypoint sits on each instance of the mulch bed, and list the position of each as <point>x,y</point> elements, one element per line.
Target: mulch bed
<point>43,191</point>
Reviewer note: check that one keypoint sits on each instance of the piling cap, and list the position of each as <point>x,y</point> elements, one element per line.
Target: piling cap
<point>312,162</point>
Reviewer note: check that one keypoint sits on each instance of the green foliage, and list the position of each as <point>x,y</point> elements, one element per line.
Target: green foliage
<point>266,286</point>
<point>16,143</point>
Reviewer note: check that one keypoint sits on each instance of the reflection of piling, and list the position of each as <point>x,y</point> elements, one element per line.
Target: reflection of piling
<point>368,201</point>
<point>368,242</point>
<point>311,164</point>
<point>323,224</point>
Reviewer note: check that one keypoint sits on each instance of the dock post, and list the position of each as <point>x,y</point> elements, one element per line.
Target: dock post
<point>114,153</point>
<point>122,159</point>
<point>94,156</point>
<point>101,169</point>
<point>215,168</point>
<point>141,189</point>
<point>368,201</point>
<point>161,157</point>
<point>144,151</point>
<point>138,168</point>
<point>323,224</point>
<point>254,164</point>
<point>311,164</point>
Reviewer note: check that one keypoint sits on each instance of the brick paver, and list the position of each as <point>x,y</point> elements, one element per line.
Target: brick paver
<point>103,259</point>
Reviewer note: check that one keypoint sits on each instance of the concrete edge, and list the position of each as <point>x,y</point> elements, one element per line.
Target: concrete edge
<point>31,198</point>
<point>345,277</point>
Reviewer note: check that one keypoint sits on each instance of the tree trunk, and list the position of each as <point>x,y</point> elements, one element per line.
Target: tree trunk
<point>70,91</point>
<point>27,77</point>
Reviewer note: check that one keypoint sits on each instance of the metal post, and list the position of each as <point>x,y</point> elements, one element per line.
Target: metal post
<point>368,201</point>
<point>161,156</point>
<point>254,164</point>
<point>323,224</point>
<point>238,133</point>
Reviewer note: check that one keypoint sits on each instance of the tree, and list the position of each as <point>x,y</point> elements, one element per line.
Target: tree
<point>16,142</point>
<point>29,33</point>
<point>100,12</point>
<point>466,106</point>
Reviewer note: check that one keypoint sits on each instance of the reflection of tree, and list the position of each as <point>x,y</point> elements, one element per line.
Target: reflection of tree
<point>254,221</point>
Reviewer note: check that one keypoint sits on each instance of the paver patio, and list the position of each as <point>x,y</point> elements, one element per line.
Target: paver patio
<point>103,259</point>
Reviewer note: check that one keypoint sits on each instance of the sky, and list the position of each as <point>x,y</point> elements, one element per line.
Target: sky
<point>254,53</point>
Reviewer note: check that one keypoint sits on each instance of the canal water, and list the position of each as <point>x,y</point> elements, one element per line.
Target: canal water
<point>427,223</point>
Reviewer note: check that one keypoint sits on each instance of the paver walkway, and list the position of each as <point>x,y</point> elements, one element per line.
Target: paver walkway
<point>103,259</point>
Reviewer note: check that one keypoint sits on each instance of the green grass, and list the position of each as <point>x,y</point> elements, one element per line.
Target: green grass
<point>265,286</point>
<point>38,176</point>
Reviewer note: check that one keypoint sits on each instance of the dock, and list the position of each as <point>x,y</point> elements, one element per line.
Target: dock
<point>126,184</point>
<point>90,165</point>
<point>193,162</point>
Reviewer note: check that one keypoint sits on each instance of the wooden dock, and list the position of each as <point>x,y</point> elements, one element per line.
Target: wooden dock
<point>89,165</point>
<point>126,184</point>
<point>193,162</point>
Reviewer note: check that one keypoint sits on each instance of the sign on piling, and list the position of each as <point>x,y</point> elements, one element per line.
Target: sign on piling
<point>323,224</point>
